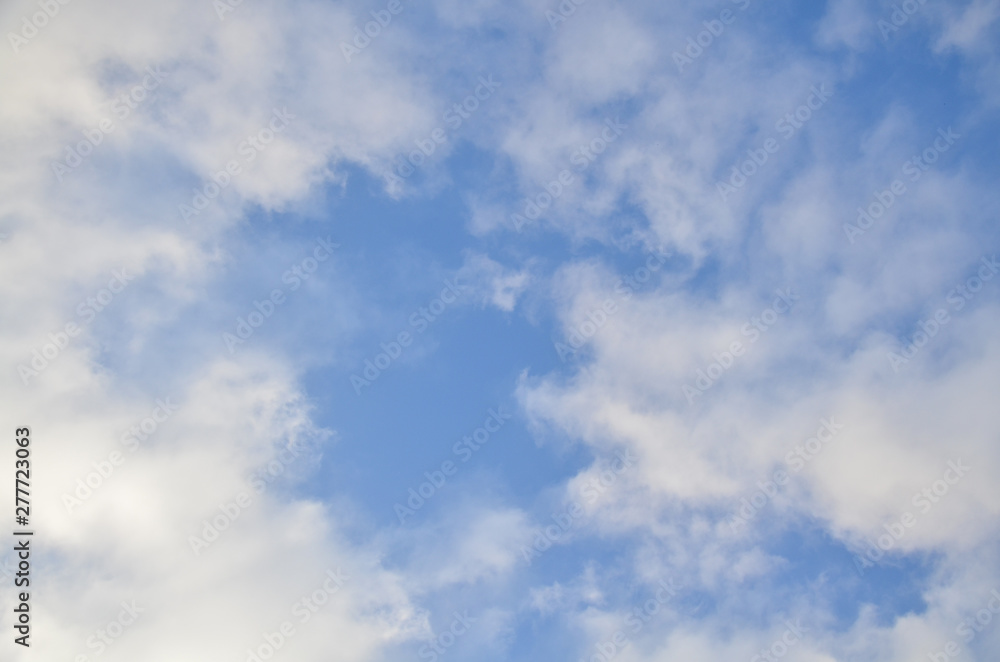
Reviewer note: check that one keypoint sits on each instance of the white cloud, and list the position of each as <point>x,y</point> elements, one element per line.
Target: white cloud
<point>492,283</point>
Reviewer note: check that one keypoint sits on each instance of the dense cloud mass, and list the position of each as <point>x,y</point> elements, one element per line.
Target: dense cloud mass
<point>541,330</point>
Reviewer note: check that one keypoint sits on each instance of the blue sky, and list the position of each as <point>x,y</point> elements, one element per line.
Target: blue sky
<point>629,331</point>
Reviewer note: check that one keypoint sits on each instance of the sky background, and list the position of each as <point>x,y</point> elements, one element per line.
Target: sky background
<point>635,350</point>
